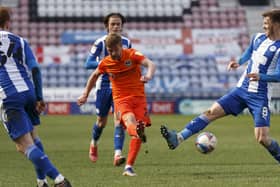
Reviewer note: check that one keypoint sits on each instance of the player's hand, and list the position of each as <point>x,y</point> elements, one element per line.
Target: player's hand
<point>232,65</point>
<point>144,78</point>
<point>82,100</point>
<point>253,76</point>
<point>40,106</point>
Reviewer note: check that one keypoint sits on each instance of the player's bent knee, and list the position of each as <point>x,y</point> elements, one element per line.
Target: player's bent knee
<point>101,122</point>
<point>215,112</point>
<point>263,140</point>
<point>20,149</point>
<point>207,112</point>
<point>210,114</point>
<point>129,118</point>
<point>262,136</point>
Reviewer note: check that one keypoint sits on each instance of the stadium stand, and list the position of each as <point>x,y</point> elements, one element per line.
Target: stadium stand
<point>43,23</point>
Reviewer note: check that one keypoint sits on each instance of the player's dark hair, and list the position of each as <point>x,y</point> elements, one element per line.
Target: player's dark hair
<point>273,14</point>
<point>106,18</point>
<point>4,16</point>
<point>113,39</point>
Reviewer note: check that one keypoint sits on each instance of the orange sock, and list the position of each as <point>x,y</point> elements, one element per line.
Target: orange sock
<point>134,147</point>
<point>131,129</point>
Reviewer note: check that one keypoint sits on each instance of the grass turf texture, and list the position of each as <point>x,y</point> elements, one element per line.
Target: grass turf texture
<point>237,161</point>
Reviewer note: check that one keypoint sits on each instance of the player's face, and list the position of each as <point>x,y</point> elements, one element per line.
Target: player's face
<point>115,52</point>
<point>115,25</point>
<point>268,27</point>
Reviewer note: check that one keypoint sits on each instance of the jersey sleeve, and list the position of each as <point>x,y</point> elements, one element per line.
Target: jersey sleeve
<point>101,67</point>
<point>247,53</point>
<point>93,57</point>
<point>30,59</point>
<point>36,73</point>
<point>273,77</point>
<point>137,56</point>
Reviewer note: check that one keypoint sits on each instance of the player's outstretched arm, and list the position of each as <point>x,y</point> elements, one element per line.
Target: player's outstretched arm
<point>275,77</point>
<point>247,54</point>
<point>90,84</point>
<point>33,65</point>
<point>92,60</point>
<point>150,71</point>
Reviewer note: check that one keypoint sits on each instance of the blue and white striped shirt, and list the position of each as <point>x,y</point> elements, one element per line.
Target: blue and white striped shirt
<point>263,56</point>
<point>16,62</point>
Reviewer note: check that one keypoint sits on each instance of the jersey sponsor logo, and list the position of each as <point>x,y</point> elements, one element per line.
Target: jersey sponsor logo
<point>121,74</point>
<point>128,63</point>
<point>260,59</point>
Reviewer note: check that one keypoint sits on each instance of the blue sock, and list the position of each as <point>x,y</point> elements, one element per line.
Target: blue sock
<point>41,161</point>
<point>40,175</point>
<point>39,144</point>
<point>119,137</point>
<point>185,133</point>
<point>274,150</point>
<point>96,132</point>
<point>196,125</point>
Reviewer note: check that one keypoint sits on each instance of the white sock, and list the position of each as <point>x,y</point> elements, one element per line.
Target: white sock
<point>127,166</point>
<point>59,179</point>
<point>180,138</point>
<point>93,142</point>
<point>118,152</point>
<point>41,182</point>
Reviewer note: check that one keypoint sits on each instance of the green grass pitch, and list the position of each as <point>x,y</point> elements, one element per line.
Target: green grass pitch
<point>237,161</point>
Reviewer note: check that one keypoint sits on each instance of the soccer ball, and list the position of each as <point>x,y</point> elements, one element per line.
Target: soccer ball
<point>206,142</point>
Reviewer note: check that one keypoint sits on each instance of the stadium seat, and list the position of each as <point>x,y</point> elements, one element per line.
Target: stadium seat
<point>215,24</point>
<point>141,14</point>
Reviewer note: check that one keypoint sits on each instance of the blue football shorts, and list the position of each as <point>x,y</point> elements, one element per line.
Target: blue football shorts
<point>104,101</point>
<point>18,114</point>
<point>238,99</point>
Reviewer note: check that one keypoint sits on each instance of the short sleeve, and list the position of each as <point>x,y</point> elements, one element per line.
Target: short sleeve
<point>101,67</point>
<point>137,56</point>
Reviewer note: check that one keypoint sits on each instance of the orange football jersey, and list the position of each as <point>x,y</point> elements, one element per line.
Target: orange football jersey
<point>124,74</point>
